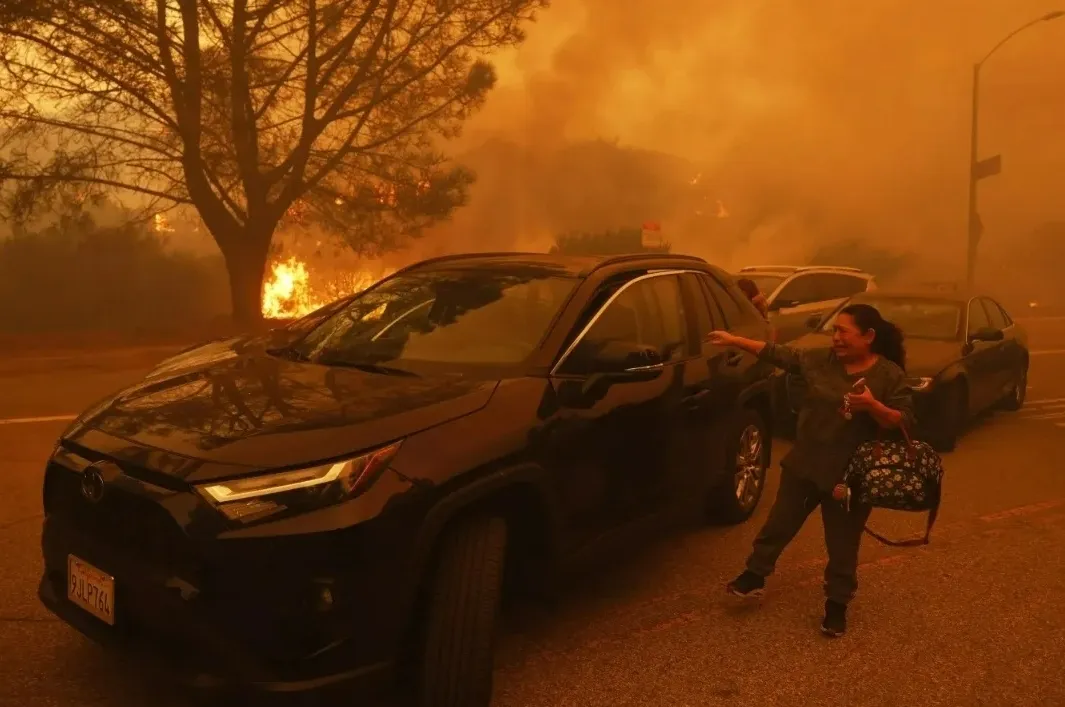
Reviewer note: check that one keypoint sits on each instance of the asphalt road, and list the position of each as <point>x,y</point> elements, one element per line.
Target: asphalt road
<point>973,619</point>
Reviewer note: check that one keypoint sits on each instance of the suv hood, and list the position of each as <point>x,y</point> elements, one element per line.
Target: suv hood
<point>924,357</point>
<point>249,408</point>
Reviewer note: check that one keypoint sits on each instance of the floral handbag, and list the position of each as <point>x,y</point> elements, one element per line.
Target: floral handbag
<point>899,475</point>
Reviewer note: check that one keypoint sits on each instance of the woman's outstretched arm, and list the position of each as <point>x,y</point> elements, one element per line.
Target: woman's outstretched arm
<point>783,357</point>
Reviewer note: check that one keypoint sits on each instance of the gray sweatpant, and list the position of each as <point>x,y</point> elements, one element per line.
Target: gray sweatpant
<point>796,499</point>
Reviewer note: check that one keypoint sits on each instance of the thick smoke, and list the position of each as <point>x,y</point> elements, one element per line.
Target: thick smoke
<point>818,120</point>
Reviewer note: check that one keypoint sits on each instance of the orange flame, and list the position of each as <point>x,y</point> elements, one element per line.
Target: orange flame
<point>289,292</point>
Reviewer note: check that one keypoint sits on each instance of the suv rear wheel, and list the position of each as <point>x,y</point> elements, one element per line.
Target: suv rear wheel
<point>463,608</point>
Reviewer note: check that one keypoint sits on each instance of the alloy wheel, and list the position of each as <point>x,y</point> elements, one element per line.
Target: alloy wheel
<point>750,470</point>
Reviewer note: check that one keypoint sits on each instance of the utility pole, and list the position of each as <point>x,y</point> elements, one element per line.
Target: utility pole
<point>975,226</point>
<point>982,169</point>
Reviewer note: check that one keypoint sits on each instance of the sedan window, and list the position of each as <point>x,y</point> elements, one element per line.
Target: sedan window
<point>977,317</point>
<point>918,317</point>
<point>804,289</point>
<point>998,319</point>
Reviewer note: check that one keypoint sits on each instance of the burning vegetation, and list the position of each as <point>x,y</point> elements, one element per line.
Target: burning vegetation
<point>292,290</point>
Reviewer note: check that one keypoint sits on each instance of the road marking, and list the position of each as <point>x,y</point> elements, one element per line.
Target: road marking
<point>1043,410</point>
<point>35,420</point>
<point>1047,352</point>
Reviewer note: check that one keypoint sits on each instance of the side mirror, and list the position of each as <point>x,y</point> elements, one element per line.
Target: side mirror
<point>814,322</point>
<point>620,362</point>
<point>987,333</point>
<point>621,357</point>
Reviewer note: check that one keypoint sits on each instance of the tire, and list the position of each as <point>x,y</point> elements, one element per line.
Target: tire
<point>463,608</point>
<point>955,415</point>
<point>746,460</point>
<point>1015,400</point>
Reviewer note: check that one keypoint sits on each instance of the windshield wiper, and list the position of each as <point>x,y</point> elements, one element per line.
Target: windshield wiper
<point>368,367</point>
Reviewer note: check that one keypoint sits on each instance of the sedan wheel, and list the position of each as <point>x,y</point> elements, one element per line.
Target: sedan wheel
<point>736,496</point>
<point>1015,401</point>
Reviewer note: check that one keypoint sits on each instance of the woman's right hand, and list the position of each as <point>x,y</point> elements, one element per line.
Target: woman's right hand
<point>720,338</point>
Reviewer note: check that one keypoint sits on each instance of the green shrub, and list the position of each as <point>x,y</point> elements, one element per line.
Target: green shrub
<point>604,243</point>
<point>77,275</point>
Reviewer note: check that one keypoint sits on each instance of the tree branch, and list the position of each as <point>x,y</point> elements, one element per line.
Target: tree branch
<point>75,179</point>
<point>131,90</point>
<point>245,137</point>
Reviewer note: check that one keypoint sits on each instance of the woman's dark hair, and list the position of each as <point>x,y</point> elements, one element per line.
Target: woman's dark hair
<point>888,340</point>
<point>748,287</point>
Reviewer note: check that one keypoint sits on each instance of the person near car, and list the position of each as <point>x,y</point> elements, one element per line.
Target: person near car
<point>856,389</point>
<point>749,288</point>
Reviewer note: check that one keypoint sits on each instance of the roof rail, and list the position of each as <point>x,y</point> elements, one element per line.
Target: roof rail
<point>788,268</point>
<point>628,257</point>
<point>800,268</point>
<point>464,256</point>
<point>839,268</point>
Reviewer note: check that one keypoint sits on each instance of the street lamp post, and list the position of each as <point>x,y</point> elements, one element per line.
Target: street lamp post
<point>986,168</point>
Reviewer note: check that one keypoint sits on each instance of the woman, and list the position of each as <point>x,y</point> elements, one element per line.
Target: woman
<point>855,388</point>
<point>754,295</point>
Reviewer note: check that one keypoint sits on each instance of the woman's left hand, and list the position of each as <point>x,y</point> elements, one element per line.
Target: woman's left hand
<point>862,399</point>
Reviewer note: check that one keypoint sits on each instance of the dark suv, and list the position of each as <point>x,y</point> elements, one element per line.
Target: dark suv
<point>348,503</point>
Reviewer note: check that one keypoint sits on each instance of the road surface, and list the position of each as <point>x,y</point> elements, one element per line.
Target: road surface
<point>973,619</point>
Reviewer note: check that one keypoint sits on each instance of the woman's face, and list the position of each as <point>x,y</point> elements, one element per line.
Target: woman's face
<point>848,340</point>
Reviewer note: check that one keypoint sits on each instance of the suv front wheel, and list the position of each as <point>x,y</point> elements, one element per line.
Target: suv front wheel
<point>463,607</point>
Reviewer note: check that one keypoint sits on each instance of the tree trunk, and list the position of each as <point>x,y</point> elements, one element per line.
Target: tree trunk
<point>246,265</point>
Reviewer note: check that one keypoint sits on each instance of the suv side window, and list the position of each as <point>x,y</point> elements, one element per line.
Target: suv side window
<point>668,306</point>
<point>648,313</point>
<point>977,317</point>
<point>731,314</point>
<point>804,289</point>
<point>705,314</point>
<point>994,312</point>
<point>838,286</point>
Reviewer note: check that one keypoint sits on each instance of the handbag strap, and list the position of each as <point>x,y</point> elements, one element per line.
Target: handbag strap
<point>881,433</point>
<point>913,542</point>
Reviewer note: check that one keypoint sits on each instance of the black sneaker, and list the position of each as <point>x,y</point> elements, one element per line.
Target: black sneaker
<point>835,621</point>
<point>747,584</point>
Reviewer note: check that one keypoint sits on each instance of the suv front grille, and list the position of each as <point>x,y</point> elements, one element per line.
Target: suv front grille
<point>121,520</point>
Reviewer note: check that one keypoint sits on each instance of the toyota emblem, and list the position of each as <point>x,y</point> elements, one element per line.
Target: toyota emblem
<point>92,485</point>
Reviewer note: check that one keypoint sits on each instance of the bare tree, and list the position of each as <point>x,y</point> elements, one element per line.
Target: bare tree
<point>249,110</point>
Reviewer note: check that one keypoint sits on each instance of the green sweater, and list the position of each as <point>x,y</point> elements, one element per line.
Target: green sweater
<point>825,440</point>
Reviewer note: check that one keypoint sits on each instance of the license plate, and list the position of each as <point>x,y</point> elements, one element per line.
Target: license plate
<point>91,589</point>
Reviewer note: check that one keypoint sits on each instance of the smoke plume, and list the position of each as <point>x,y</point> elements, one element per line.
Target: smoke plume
<point>815,120</point>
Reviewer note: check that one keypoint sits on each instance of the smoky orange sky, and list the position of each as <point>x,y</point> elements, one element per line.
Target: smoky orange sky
<point>858,111</point>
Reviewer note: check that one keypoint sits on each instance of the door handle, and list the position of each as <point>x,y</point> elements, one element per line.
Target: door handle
<point>733,358</point>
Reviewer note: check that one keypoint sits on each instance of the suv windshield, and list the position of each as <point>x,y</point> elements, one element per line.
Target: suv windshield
<point>471,316</point>
<point>919,318</point>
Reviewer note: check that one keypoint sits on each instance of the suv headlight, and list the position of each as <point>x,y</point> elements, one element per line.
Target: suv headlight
<point>919,385</point>
<point>252,497</point>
